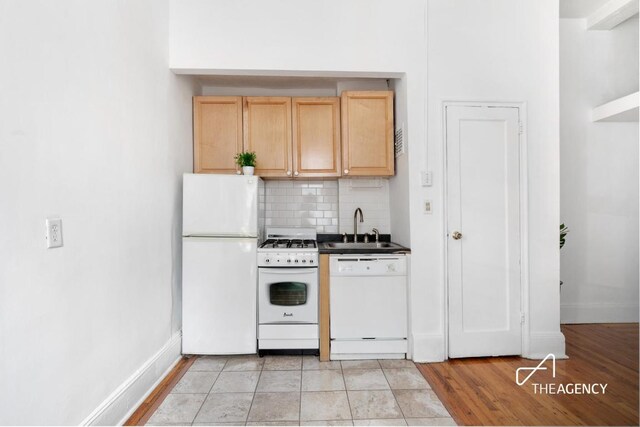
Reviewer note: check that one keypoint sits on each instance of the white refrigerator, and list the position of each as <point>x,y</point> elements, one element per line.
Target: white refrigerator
<point>222,223</point>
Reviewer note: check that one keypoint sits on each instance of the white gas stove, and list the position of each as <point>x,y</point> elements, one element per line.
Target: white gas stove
<point>288,290</point>
<point>289,247</point>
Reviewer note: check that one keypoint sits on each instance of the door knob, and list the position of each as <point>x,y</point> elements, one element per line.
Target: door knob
<point>346,171</point>
<point>296,173</point>
<point>288,173</point>
<point>456,235</point>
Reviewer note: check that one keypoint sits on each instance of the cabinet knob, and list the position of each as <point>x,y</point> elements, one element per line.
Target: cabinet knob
<point>296,173</point>
<point>288,173</point>
<point>346,171</point>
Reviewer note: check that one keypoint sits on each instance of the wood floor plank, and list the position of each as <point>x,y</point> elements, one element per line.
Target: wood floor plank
<point>155,398</point>
<point>483,391</point>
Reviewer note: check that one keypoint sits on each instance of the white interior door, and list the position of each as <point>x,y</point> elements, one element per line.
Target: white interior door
<point>483,230</point>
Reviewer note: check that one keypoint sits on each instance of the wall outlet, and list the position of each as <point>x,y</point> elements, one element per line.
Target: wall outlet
<point>428,207</point>
<point>54,232</point>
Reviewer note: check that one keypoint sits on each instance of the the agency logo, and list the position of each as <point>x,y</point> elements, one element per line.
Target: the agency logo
<point>556,388</point>
<point>540,367</point>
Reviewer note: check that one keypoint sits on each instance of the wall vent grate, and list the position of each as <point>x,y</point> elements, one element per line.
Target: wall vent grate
<point>399,141</point>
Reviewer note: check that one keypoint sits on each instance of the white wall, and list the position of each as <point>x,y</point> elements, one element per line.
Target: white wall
<point>399,196</point>
<point>490,50</point>
<point>95,129</point>
<point>503,50</point>
<point>599,175</point>
<point>347,39</point>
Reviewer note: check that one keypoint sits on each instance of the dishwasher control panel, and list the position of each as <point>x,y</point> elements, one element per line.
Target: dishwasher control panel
<point>368,265</point>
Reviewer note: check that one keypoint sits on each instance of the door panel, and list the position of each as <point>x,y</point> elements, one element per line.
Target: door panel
<point>267,131</point>
<point>219,279</point>
<point>273,281</point>
<point>217,133</point>
<point>220,205</point>
<point>368,307</point>
<point>483,205</point>
<point>367,133</point>
<point>316,137</point>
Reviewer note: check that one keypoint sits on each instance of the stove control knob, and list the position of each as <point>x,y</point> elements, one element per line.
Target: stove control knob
<point>304,260</point>
<point>267,260</point>
<point>296,260</point>
<point>311,261</point>
<point>288,260</point>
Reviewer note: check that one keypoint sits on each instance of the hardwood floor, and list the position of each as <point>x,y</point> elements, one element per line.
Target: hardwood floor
<point>483,391</point>
<point>151,403</point>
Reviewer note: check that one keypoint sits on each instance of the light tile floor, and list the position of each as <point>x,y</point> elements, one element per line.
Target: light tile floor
<point>300,390</point>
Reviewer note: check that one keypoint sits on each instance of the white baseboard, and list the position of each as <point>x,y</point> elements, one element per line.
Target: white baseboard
<point>428,348</point>
<point>599,313</point>
<point>543,343</point>
<point>123,402</point>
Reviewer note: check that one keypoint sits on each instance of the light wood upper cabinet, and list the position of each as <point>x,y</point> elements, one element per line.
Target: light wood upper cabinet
<point>217,133</point>
<point>267,131</point>
<point>367,133</point>
<point>316,137</point>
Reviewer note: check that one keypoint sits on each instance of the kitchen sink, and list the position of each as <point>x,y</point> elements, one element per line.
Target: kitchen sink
<point>371,246</point>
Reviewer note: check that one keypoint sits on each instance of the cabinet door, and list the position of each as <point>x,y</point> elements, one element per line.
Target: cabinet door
<point>316,137</point>
<point>367,133</point>
<point>217,133</point>
<point>267,131</point>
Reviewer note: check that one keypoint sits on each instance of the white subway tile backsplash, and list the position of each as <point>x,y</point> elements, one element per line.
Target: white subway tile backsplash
<point>327,204</point>
<point>370,195</point>
<point>302,203</point>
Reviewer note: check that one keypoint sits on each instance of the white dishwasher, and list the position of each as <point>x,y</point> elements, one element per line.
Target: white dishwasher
<point>368,306</point>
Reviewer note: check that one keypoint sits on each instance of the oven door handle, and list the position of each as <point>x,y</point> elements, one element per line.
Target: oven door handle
<point>283,270</point>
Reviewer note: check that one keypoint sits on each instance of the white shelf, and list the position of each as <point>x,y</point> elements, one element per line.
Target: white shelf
<point>623,109</point>
<point>611,14</point>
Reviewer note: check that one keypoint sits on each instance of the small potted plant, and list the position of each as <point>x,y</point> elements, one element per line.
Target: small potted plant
<point>247,161</point>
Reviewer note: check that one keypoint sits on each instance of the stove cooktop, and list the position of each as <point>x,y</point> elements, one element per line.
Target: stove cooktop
<point>289,244</point>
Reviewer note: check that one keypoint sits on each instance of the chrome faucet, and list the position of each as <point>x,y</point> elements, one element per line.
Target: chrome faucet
<point>355,224</point>
<point>377,233</point>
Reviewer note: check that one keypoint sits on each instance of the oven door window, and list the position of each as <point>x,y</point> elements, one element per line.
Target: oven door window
<point>288,293</point>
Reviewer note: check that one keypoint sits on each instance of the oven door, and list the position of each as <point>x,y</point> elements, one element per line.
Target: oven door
<point>287,295</point>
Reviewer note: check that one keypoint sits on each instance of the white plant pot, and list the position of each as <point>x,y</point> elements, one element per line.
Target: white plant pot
<point>248,170</point>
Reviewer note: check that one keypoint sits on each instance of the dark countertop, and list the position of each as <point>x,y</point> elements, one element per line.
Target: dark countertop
<point>337,238</point>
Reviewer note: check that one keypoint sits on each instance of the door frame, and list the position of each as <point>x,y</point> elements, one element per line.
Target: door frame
<point>524,215</point>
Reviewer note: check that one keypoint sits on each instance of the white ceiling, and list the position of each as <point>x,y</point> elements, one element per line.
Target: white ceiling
<point>579,8</point>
